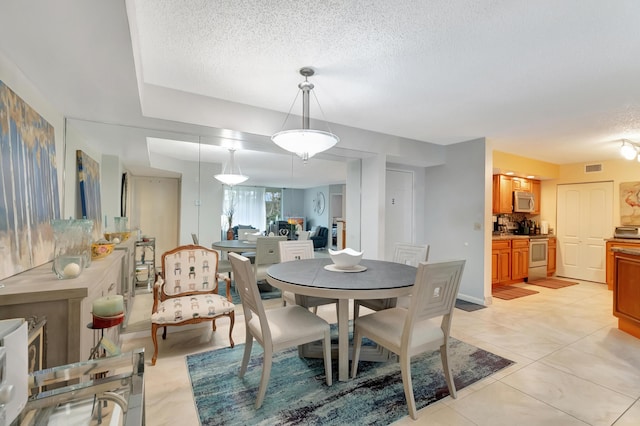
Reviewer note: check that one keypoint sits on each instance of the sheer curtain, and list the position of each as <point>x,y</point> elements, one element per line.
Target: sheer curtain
<point>248,206</point>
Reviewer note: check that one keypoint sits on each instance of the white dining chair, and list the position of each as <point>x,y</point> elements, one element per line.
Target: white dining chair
<point>298,250</point>
<point>410,332</point>
<point>267,254</point>
<point>275,329</point>
<point>408,254</point>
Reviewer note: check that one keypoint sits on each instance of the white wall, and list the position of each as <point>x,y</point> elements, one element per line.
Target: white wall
<point>455,204</point>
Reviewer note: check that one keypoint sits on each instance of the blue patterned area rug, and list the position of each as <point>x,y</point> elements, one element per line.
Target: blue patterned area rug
<point>266,292</point>
<point>298,394</point>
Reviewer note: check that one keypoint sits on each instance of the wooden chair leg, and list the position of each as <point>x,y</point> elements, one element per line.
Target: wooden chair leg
<point>264,379</point>
<point>405,369</point>
<point>327,357</point>
<point>232,321</point>
<point>248,343</point>
<point>154,337</point>
<point>448,376</point>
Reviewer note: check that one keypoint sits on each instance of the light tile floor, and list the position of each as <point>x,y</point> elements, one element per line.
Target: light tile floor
<point>572,365</point>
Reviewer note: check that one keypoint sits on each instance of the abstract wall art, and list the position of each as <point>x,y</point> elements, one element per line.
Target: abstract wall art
<point>89,180</point>
<point>630,203</point>
<point>29,194</point>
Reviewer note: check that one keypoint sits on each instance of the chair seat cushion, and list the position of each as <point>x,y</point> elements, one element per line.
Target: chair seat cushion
<point>389,323</point>
<point>283,335</point>
<point>179,309</point>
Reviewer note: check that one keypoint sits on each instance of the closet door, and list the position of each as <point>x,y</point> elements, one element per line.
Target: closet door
<point>585,219</point>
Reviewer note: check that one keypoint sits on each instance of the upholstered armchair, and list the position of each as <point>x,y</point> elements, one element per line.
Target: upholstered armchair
<point>320,237</point>
<point>186,292</point>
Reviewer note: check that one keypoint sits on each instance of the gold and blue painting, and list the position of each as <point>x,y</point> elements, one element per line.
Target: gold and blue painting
<point>29,193</point>
<point>89,180</point>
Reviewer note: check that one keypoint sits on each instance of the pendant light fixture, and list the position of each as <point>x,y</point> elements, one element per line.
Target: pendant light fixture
<point>305,142</point>
<point>232,175</point>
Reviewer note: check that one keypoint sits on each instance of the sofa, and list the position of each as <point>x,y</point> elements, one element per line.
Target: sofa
<point>320,237</point>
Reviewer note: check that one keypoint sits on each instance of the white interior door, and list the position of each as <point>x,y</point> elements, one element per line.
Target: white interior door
<point>585,219</point>
<point>155,210</point>
<point>398,210</point>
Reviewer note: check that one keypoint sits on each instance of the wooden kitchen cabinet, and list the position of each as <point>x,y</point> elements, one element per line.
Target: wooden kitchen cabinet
<point>520,184</point>
<point>535,188</point>
<point>626,290</point>
<point>619,243</point>
<point>551,257</point>
<point>519,259</point>
<point>500,262</point>
<point>502,194</point>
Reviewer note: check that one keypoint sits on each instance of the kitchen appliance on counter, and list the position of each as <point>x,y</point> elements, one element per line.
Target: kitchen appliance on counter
<point>523,202</point>
<point>627,232</point>
<point>538,252</point>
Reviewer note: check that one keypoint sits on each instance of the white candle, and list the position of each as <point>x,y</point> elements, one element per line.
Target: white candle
<point>71,270</point>
<point>108,306</point>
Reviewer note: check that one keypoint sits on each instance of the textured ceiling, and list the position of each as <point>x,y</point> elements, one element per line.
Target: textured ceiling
<point>528,75</point>
<point>555,81</point>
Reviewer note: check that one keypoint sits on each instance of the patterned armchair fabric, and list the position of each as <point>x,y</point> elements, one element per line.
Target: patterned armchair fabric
<point>186,292</point>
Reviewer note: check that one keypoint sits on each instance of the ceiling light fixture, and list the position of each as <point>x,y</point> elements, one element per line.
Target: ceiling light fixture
<point>629,150</point>
<point>305,142</point>
<point>230,177</point>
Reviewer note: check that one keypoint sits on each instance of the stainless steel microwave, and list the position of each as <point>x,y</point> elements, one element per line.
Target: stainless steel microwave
<point>523,202</point>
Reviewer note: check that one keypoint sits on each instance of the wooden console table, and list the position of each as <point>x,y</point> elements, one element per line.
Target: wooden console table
<point>66,304</point>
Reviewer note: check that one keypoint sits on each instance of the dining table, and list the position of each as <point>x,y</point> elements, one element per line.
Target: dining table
<point>370,279</point>
<point>236,246</point>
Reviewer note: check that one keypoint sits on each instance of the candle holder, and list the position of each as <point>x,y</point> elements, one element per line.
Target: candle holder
<point>66,266</point>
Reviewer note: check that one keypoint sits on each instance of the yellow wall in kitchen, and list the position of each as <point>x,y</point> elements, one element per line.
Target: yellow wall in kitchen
<point>523,166</point>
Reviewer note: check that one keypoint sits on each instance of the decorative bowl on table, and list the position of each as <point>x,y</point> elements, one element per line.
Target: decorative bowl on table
<point>101,250</point>
<point>117,237</point>
<point>346,258</point>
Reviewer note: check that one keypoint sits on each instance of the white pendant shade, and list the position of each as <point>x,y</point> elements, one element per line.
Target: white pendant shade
<point>231,175</point>
<point>305,142</point>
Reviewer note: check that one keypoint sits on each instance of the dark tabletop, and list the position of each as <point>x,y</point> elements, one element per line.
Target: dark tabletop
<point>311,273</point>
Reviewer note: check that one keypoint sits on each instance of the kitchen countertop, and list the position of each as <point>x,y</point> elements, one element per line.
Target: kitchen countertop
<point>624,240</point>
<point>633,252</point>
<point>518,237</point>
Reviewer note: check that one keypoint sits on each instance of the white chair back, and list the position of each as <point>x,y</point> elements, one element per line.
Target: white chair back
<point>268,250</point>
<point>242,233</point>
<point>267,253</point>
<point>296,250</point>
<point>303,235</point>
<point>433,295</point>
<point>252,305</point>
<point>410,254</point>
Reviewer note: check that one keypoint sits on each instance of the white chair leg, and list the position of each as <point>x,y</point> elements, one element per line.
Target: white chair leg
<point>266,372</point>
<point>357,342</point>
<point>405,368</point>
<point>247,353</point>
<point>448,376</point>
<point>327,357</point>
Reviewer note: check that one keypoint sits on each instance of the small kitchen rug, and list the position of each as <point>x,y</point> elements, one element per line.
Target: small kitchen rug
<point>552,283</point>
<point>507,292</point>
<point>468,306</point>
